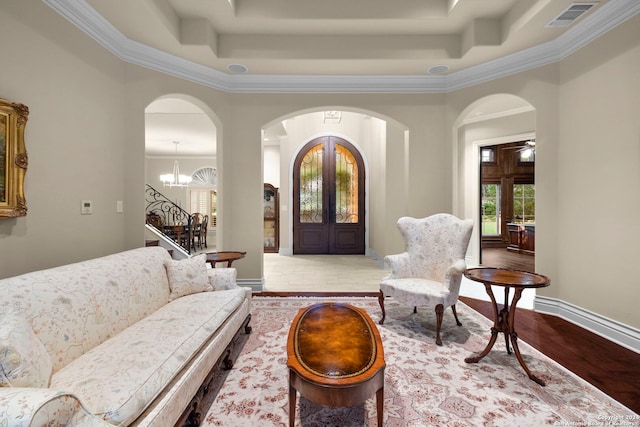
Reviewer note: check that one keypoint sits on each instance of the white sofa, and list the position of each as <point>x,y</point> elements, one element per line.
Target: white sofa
<point>126,339</point>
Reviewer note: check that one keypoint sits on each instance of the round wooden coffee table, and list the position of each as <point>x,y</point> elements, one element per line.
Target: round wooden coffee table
<point>335,357</point>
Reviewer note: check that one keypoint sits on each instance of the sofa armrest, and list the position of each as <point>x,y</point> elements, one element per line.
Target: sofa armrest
<point>222,278</point>
<point>25,407</point>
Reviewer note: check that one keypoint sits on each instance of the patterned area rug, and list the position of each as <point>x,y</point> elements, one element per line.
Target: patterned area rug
<point>425,385</point>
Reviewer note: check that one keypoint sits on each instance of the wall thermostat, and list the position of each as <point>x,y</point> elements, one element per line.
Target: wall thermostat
<point>87,207</point>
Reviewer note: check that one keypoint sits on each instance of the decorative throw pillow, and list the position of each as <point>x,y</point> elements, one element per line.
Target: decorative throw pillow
<point>24,361</point>
<point>187,276</point>
<point>222,278</point>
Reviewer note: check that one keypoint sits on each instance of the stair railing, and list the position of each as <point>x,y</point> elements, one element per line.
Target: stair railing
<point>168,218</point>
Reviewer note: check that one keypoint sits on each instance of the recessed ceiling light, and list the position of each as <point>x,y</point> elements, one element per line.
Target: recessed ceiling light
<point>237,68</point>
<point>438,69</point>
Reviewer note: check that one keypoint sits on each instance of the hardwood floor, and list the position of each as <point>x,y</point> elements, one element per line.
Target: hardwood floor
<point>497,257</point>
<point>608,366</point>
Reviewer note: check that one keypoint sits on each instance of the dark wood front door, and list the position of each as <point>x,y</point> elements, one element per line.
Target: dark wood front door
<point>328,195</point>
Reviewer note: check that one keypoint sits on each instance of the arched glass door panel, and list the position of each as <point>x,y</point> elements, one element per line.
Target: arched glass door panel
<point>311,186</point>
<point>346,186</point>
<point>328,198</point>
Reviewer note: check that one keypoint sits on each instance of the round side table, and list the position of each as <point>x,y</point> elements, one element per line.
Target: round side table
<point>504,319</point>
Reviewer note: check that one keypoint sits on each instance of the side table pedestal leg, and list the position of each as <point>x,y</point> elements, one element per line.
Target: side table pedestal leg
<point>514,337</point>
<point>495,330</point>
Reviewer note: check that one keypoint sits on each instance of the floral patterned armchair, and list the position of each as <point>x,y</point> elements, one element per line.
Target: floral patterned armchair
<point>430,271</point>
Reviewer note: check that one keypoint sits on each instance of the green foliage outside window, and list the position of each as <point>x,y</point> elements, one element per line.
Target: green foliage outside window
<point>524,203</point>
<point>490,209</point>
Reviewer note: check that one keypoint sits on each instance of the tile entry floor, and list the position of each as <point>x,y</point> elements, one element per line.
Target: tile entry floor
<point>348,273</point>
<point>322,273</point>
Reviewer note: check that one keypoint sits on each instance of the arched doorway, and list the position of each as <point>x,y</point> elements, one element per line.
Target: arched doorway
<point>490,134</point>
<point>328,198</point>
<point>182,118</point>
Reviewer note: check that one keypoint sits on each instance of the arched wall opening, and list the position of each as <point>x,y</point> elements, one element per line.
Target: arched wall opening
<point>489,121</point>
<point>372,134</point>
<point>190,122</point>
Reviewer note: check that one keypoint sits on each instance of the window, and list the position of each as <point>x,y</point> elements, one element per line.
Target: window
<point>204,200</point>
<point>524,203</point>
<point>490,209</point>
<point>487,155</point>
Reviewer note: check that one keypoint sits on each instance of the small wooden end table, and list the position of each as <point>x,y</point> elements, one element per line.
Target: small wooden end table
<point>224,256</point>
<point>504,320</point>
<point>335,357</point>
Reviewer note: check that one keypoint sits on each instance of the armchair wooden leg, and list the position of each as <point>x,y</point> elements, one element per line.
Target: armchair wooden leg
<point>381,302</point>
<point>415,310</point>
<point>439,313</point>
<point>455,314</point>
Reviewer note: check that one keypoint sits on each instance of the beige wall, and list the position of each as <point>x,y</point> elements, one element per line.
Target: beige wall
<point>75,138</point>
<point>85,138</point>
<point>599,175</point>
<point>587,170</point>
<point>539,88</point>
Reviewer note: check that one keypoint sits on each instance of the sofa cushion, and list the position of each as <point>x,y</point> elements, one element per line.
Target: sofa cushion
<point>24,361</point>
<point>73,308</point>
<point>120,392</point>
<point>187,276</point>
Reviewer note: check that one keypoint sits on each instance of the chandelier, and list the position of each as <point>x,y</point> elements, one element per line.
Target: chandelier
<point>175,179</point>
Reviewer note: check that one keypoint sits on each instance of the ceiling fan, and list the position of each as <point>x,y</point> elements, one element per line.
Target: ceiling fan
<point>527,150</point>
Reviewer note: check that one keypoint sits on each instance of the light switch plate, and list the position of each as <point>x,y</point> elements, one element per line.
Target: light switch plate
<point>119,206</point>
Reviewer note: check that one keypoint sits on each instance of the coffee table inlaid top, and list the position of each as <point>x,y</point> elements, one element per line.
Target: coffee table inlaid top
<point>334,343</point>
<point>505,277</point>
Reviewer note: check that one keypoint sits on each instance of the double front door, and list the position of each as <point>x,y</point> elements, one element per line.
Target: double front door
<point>328,194</point>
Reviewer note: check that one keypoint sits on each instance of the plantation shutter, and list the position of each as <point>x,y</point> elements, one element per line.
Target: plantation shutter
<point>199,201</point>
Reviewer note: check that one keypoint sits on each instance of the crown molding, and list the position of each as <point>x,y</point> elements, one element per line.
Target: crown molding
<point>605,18</point>
<point>83,16</point>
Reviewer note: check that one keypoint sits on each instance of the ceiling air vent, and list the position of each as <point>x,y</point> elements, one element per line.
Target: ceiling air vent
<point>570,14</point>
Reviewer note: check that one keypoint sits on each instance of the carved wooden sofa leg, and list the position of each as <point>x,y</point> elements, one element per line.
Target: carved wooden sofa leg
<point>191,417</point>
<point>247,328</point>
<point>194,418</point>
<point>227,363</point>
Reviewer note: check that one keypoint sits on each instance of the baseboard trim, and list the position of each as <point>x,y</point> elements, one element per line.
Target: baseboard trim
<point>610,329</point>
<point>256,285</point>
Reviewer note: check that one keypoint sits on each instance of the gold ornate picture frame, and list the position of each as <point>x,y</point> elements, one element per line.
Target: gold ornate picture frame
<point>13,158</point>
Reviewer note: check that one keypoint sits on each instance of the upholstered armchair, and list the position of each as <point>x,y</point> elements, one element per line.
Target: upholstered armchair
<point>430,271</point>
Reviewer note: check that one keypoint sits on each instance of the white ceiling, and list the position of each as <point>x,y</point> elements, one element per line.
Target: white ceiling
<point>172,119</point>
<point>329,37</point>
<point>340,46</point>
<point>328,46</point>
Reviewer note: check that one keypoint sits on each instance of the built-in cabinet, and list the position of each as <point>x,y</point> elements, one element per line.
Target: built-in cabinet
<point>522,238</point>
<point>271,219</point>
